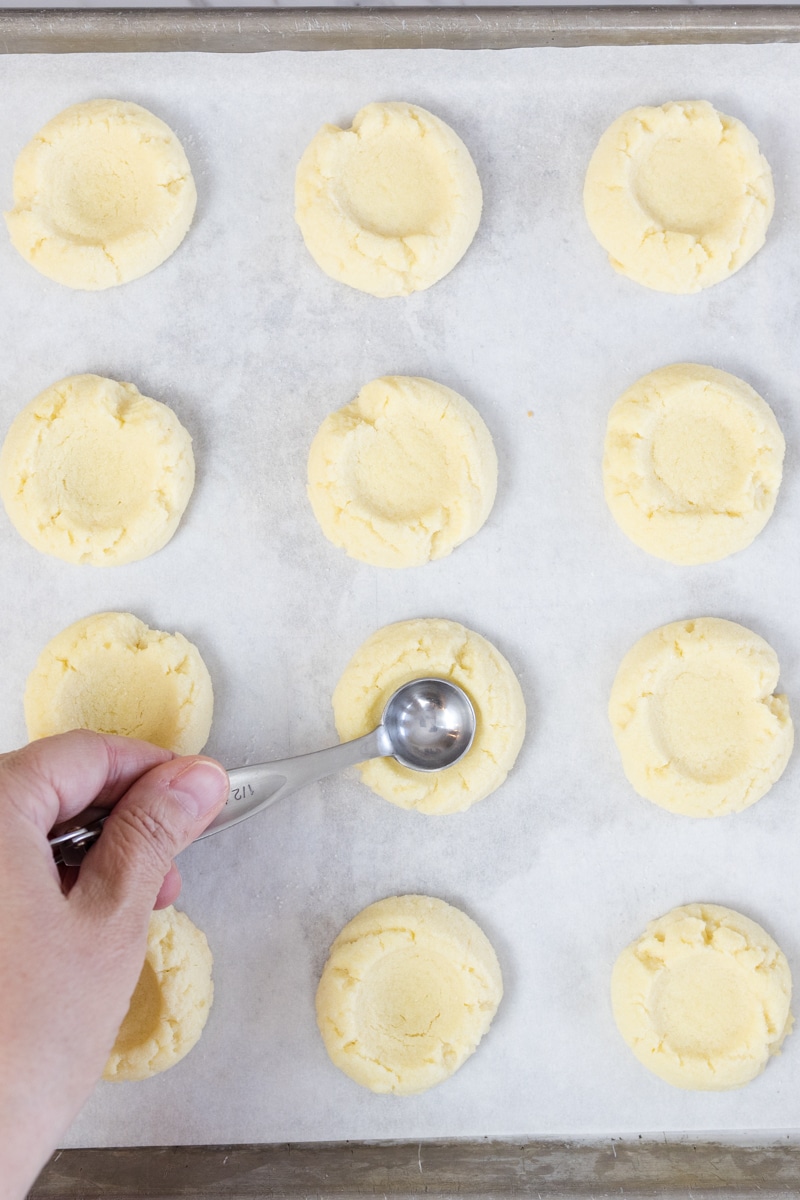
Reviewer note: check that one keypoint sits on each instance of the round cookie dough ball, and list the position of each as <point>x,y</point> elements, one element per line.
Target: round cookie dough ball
<point>693,463</point>
<point>93,472</point>
<point>410,988</point>
<point>679,196</point>
<point>390,205</point>
<point>695,717</point>
<point>446,650</point>
<point>102,194</point>
<point>702,997</point>
<point>403,474</point>
<point>171,1003</point>
<point>112,674</point>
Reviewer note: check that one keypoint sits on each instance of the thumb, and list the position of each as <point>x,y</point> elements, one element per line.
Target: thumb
<point>160,815</point>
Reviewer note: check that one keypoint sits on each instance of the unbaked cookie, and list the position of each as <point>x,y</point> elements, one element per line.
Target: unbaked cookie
<point>680,196</point>
<point>696,720</point>
<point>102,194</point>
<point>403,474</point>
<point>93,472</point>
<point>414,650</point>
<point>702,997</point>
<point>693,463</point>
<point>171,1003</point>
<point>410,988</point>
<point>390,205</point>
<point>112,674</point>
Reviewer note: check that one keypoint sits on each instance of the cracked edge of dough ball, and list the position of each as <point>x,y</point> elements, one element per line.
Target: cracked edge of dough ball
<point>424,429</point>
<point>637,242</point>
<point>385,265</point>
<point>379,933</point>
<point>416,649</point>
<point>641,976</point>
<point>651,513</point>
<point>189,699</point>
<point>32,474</point>
<point>633,714</point>
<point>171,1003</point>
<point>89,263</point>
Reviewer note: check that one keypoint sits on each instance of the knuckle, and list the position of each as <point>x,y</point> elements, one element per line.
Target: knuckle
<point>146,834</point>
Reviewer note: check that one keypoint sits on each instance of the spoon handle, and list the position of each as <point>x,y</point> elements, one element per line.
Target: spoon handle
<point>251,789</point>
<point>258,786</point>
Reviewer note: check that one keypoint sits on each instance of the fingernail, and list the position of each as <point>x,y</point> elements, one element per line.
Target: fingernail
<point>200,787</point>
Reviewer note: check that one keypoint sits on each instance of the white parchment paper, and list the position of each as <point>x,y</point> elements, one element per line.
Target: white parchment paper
<point>252,346</point>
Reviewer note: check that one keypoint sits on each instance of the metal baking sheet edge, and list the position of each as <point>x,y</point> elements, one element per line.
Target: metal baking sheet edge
<point>689,1169</point>
<point>251,30</point>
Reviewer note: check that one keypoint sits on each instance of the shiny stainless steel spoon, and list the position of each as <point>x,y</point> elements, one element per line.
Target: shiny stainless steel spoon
<point>427,725</point>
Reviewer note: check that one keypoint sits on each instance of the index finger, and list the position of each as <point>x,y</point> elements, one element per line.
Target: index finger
<point>56,778</point>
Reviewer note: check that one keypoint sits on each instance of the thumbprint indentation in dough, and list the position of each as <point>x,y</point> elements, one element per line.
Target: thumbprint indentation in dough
<point>404,1006</point>
<point>399,472</point>
<point>702,997</point>
<point>704,1006</point>
<point>103,194</point>
<point>104,179</point>
<point>704,722</point>
<point>112,674</point>
<point>693,463</point>
<point>699,460</point>
<point>116,474</point>
<point>394,187</point>
<point>126,696</point>
<point>93,472</point>
<point>170,1004</point>
<point>403,474</point>
<point>690,185</point>
<point>679,195</point>
<point>696,720</point>
<point>409,989</point>
<point>144,1014</point>
<point>391,205</point>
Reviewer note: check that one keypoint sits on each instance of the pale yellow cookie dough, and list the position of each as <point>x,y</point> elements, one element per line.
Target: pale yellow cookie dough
<point>93,472</point>
<point>702,997</point>
<point>390,205</point>
<point>403,474</point>
<point>413,650</point>
<point>696,720</point>
<point>102,194</point>
<point>112,674</point>
<point>410,988</point>
<point>171,1003</point>
<point>693,462</point>
<point>680,196</point>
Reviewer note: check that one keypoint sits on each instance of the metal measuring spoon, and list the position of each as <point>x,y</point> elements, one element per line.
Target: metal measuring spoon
<point>427,725</point>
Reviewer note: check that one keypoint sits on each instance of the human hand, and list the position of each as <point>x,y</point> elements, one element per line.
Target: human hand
<point>69,963</point>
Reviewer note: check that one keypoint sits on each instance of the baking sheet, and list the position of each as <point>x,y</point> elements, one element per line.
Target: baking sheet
<point>252,346</point>
<point>489,27</point>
